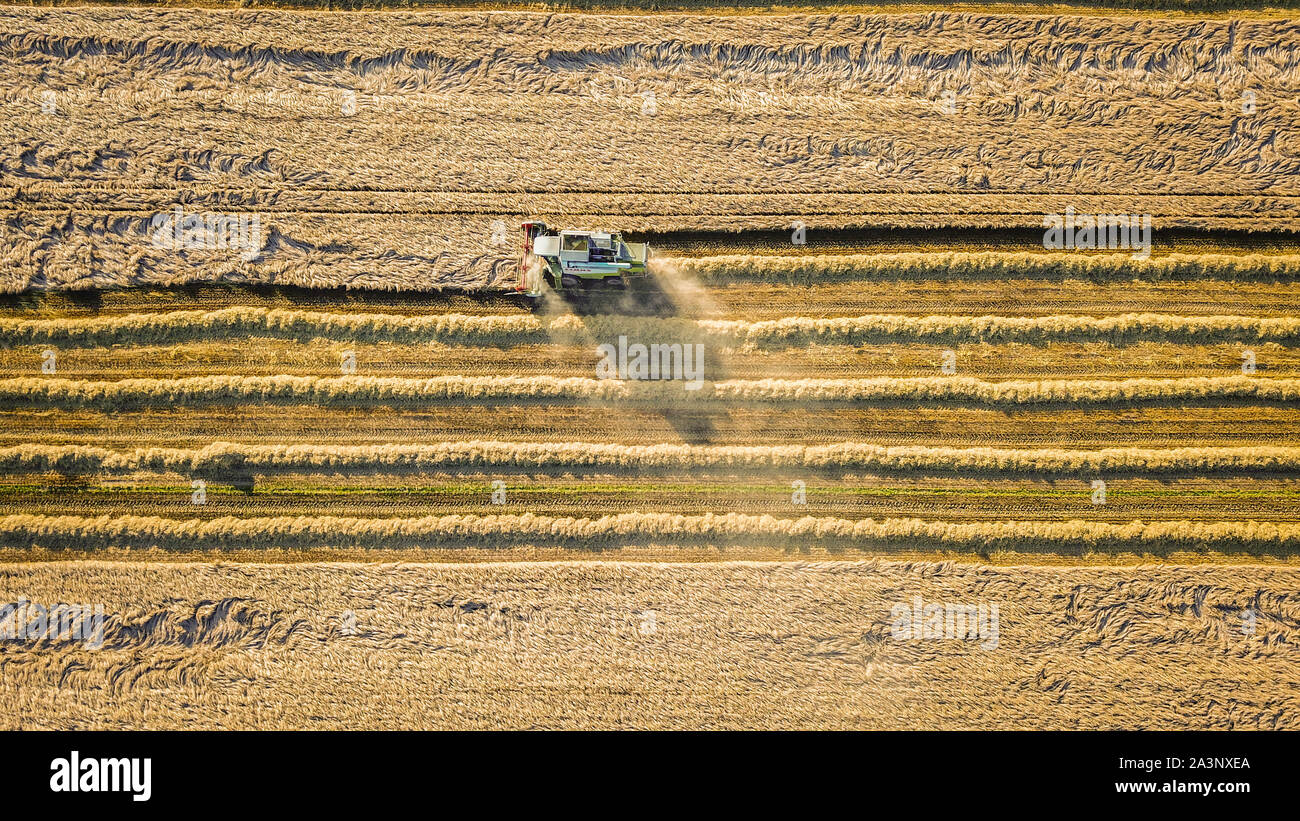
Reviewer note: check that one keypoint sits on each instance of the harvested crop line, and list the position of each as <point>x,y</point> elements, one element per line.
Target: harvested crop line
<point>285,531</point>
<point>240,322</point>
<point>366,391</point>
<point>985,265</point>
<point>519,329</point>
<point>220,456</point>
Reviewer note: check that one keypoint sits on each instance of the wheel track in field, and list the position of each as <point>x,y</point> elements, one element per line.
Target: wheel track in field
<point>362,391</point>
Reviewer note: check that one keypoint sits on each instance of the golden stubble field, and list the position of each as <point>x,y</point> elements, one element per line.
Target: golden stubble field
<point>643,645</point>
<point>303,507</point>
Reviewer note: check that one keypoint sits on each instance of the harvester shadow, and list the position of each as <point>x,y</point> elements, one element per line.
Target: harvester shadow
<point>649,297</point>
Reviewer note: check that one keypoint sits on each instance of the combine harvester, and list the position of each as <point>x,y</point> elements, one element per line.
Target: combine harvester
<point>576,261</point>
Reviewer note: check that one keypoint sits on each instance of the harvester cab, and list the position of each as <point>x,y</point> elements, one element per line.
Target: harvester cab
<point>577,260</point>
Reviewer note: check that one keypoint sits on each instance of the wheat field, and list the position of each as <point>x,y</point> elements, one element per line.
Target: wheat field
<point>343,478</point>
<point>388,153</point>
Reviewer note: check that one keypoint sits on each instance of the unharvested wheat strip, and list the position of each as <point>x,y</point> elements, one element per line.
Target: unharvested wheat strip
<point>977,265</point>
<point>284,531</point>
<point>219,456</point>
<point>368,391</point>
<point>241,323</point>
